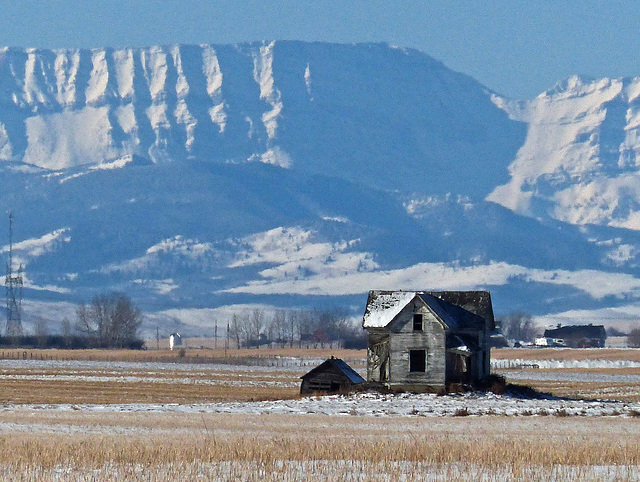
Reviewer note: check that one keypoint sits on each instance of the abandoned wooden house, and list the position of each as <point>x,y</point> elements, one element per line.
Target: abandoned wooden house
<point>425,340</point>
<point>331,376</point>
<point>579,336</point>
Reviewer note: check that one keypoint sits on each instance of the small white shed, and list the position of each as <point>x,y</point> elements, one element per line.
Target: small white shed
<point>174,340</point>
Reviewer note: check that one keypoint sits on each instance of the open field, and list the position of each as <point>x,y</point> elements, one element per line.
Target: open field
<point>160,446</point>
<point>613,354</point>
<point>601,373</point>
<point>118,414</point>
<point>191,355</point>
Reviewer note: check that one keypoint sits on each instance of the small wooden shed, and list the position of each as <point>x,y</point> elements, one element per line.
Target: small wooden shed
<point>331,376</point>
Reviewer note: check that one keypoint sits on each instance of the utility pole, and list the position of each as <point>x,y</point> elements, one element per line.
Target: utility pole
<point>13,283</point>
<point>226,343</point>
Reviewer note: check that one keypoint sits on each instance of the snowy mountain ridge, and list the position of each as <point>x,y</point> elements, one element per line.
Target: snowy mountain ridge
<point>579,163</point>
<point>287,174</point>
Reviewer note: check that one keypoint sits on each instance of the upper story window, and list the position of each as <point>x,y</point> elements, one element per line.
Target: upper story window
<point>417,322</point>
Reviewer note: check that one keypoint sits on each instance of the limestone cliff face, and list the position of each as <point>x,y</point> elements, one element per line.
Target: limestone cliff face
<point>580,161</point>
<point>388,117</point>
<point>300,174</point>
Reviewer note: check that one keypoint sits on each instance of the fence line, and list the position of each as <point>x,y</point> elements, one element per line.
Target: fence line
<point>258,360</point>
<point>512,365</point>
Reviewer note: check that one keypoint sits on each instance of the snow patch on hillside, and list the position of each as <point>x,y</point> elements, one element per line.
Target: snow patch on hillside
<point>444,276</point>
<point>66,70</point>
<point>124,67</point>
<point>97,86</point>
<point>213,74</point>
<point>69,138</point>
<point>6,151</point>
<point>263,75</point>
<point>580,158</point>
<point>296,255</point>
<point>189,250</point>
<point>35,247</point>
<point>181,113</point>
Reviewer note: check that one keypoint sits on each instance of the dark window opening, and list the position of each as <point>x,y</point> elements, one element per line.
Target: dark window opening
<point>417,360</point>
<point>417,322</point>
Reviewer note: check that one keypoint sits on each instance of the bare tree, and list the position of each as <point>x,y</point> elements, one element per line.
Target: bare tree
<point>292,323</point>
<point>307,325</point>
<point>257,325</point>
<point>519,326</point>
<point>65,329</point>
<point>111,319</point>
<point>236,329</point>
<point>41,331</point>
<point>279,326</point>
<point>633,338</point>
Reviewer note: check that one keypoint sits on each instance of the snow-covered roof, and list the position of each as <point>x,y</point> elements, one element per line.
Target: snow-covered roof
<point>456,309</point>
<point>384,306</point>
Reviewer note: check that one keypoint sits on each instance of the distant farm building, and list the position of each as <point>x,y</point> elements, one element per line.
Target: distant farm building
<point>174,340</point>
<point>425,340</point>
<point>332,376</point>
<point>579,336</point>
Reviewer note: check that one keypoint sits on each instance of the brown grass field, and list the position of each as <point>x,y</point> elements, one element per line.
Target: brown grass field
<point>297,447</point>
<point>191,355</point>
<point>45,443</point>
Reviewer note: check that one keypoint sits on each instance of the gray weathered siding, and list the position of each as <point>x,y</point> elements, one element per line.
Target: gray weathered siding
<point>403,339</point>
<point>390,347</point>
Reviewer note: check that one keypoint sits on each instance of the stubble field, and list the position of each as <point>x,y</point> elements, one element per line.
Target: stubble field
<point>100,418</point>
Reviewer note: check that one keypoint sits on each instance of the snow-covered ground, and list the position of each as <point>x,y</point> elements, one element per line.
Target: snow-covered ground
<point>368,405</point>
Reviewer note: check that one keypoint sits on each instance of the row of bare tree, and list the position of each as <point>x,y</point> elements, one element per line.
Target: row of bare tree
<point>518,326</point>
<point>294,328</point>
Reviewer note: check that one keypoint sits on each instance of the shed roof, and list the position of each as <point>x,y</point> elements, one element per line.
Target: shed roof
<point>341,366</point>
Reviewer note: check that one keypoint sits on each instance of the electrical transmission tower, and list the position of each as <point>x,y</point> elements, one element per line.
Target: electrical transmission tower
<point>13,283</point>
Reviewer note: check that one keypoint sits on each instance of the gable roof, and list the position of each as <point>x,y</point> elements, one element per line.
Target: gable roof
<point>477,302</point>
<point>384,306</point>
<point>455,317</point>
<point>339,365</point>
<point>457,309</point>
<point>577,331</point>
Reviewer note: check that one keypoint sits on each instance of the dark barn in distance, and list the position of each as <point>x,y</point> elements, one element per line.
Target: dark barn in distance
<point>579,336</point>
<point>332,376</point>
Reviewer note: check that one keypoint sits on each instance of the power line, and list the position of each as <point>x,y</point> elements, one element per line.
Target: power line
<point>13,284</point>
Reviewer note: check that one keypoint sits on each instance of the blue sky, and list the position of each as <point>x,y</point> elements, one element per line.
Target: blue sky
<point>518,48</point>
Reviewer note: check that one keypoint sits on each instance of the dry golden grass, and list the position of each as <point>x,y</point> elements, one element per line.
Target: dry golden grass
<point>274,447</point>
<point>45,444</point>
